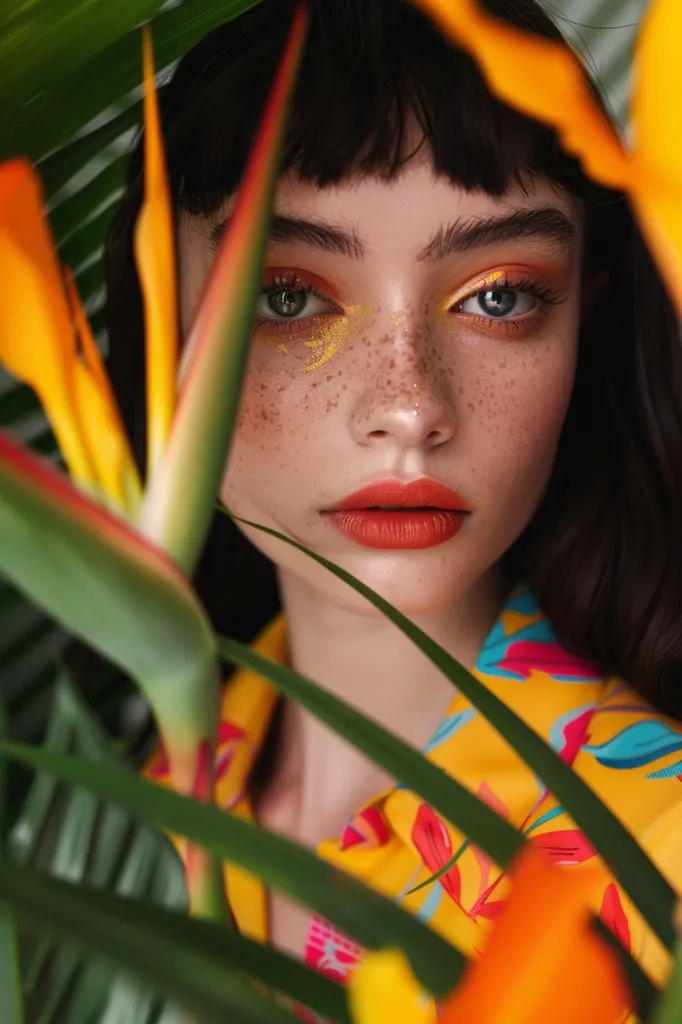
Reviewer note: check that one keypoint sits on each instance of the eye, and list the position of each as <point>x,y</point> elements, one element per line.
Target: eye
<point>290,302</point>
<point>511,301</point>
<point>499,303</point>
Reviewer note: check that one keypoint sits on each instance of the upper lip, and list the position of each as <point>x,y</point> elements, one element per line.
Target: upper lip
<point>422,493</point>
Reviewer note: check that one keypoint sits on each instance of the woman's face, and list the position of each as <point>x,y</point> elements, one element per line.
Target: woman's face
<point>406,331</point>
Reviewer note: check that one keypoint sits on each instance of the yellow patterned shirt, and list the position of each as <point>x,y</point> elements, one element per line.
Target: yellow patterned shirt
<point>629,754</point>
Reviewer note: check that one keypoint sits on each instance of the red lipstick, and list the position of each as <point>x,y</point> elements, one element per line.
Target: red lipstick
<point>405,516</point>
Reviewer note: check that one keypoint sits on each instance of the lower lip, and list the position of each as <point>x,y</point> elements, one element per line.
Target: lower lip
<point>407,531</point>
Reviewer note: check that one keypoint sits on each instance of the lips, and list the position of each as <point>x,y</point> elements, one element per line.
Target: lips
<point>393,514</point>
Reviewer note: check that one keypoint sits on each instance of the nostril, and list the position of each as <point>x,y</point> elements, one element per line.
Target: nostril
<point>378,433</point>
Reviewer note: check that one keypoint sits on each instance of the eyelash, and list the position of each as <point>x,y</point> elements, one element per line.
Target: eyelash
<point>282,282</point>
<point>530,286</point>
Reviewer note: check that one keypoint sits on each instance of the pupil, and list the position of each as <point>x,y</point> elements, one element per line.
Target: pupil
<point>497,301</point>
<point>287,302</point>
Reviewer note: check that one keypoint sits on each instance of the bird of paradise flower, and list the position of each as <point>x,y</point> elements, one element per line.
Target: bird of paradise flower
<point>118,541</point>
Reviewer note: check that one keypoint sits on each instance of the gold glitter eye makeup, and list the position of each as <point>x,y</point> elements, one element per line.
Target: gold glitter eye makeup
<point>502,300</point>
<point>293,307</point>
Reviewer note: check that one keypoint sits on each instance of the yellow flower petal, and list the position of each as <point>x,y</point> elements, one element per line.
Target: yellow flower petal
<point>155,259</point>
<point>107,440</point>
<point>37,343</point>
<point>540,77</point>
<point>383,990</point>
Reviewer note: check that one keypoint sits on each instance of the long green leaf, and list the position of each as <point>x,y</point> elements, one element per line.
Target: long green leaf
<point>123,596</point>
<point>222,949</point>
<point>369,918</point>
<point>669,1008</point>
<point>12,1009</point>
<point>56,169</point>
<point>164,949</point>
<point>66,832</point>
<point>641,985</point>
<point>218,344</point>
<point>79,209</point>
<point>653,896</point>
<point>75,98</point>
<point>486,828</point>
<point>39,40</point>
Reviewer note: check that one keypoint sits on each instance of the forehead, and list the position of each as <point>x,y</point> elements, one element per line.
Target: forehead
<point>411,211</point>
<point>412,206</point>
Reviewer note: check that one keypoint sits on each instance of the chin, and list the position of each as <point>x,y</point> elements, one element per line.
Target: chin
<point>416,583</point>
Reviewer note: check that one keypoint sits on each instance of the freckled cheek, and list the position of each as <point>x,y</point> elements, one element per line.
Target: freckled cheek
<point>518,418</point>
<point>278,420</point>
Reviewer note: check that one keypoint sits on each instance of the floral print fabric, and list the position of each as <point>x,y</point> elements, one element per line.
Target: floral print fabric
<point>629,754</point>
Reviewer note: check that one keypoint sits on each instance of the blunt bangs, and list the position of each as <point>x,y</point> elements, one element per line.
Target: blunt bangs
<point>376,75</point>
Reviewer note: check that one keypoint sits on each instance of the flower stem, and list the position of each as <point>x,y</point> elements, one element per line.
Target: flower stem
<point>187,715</point>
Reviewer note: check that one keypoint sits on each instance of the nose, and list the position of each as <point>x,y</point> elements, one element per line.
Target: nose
<point>404,399</point>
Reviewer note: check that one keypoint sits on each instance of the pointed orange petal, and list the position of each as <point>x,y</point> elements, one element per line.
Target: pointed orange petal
<point>540,77</point>
<point>155,259</point>
<point>655,100</point>
<point>383,990</point>
<point>657,154</point>
<point>560,971</point>
<point>107,440</point>
<point>217,348</point>
<point>37,343</point>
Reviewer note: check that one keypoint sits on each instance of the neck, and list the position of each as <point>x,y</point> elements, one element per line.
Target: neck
<point>367,662</point>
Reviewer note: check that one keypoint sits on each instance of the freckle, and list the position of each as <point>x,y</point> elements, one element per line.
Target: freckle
<point>264,387</point>
<point>315,384</point>
<point>329,378</point>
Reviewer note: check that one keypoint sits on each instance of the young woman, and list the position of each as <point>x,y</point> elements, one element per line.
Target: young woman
<point>465,388</point>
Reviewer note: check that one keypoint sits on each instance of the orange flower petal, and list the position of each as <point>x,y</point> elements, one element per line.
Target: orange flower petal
<point>383,990</point>
<point>107,440</point>
<point>655,100</point>
<point>155,259</point>
<point>657,153</point>
<point>543,961</point>
<point>540,77</point>
<point>37,343</point>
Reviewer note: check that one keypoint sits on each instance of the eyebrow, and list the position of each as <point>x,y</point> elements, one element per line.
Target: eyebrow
<point>327,237</point>
<point>544,223</point>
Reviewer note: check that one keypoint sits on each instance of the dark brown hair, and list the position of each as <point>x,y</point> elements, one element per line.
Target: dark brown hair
<point>603,552</point>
